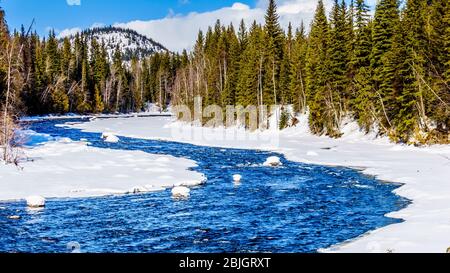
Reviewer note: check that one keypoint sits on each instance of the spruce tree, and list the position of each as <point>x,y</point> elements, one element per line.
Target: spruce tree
<point>385,25</point>
<point>273,55</point>
<point>297,77</point>
<point>232,67</point>
<point>413,95</point>
<point>249,87</point>
<point>317,73</point>
<point>52,55</point>
<point>338,55</point>
<point>363,96</point>
<point>285,69</point>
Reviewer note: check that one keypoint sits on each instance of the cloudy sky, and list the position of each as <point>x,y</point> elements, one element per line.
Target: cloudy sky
<point>174,23</point>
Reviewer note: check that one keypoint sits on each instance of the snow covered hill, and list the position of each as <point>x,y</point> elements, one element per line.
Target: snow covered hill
<point>129,41</point>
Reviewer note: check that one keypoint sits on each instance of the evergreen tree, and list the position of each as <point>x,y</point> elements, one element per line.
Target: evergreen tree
<point>249,89</point>
<point>318,74</point>
<point>273,55</point>
<point>98,105</point>
<point>52,62</point>
<point>4,37</point>
<point>412,96</point>
<point>383,61</point>
<point>297,86</point>
<point>338,55</point>
<point>363,96</point>
<point>231,67</point>
<point>285,69</point>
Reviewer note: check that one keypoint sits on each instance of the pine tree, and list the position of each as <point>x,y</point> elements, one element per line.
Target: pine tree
<point>285,69</point>
<point>232,67</point>
<point>242,35</point>
<point>82,101</point>
<point>446,38</point>
<point>338,56</point>
<point>317,72</point>
<point>249,87</point>
<point>385,25</point>
<point>273,55</point>
<point>363,96</point>
<point>297,75</point>
<point>52,62</point>
<point>98,105</point>
<point>412,96</point>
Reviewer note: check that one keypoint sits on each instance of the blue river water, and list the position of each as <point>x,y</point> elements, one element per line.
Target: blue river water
<point>296,208</point>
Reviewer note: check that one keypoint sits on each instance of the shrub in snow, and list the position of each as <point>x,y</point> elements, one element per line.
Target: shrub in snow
<point>109,137</point>
<point>35,202</point>
<point>273,161</point>
<point>181,192</point>
<point>237,178</point>
<point>448,250</point>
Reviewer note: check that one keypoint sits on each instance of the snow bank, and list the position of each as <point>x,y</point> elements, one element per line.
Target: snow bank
<point>181,192</point>
<point>73,169</point>
<point>424,172</point>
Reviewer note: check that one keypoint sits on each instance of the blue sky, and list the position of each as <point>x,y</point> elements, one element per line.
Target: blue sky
<point>58,14</point>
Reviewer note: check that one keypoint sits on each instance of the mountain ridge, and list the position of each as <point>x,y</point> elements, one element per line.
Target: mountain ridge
<point>131,43</point>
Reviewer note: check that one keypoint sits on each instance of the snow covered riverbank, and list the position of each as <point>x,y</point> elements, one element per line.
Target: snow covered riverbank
<point>425,172</point>
<point>73,169</point>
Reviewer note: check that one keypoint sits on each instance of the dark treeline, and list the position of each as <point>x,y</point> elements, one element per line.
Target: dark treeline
<point>391,71</point>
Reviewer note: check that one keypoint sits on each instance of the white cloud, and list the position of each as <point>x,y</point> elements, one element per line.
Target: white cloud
<point>75,30</point>
<point>68,32</point>
<point>178,32</point>
<point>73,2</point>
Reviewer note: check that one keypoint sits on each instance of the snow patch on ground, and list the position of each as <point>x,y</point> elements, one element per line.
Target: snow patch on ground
<point>72,169</point>
<point>425,171</point>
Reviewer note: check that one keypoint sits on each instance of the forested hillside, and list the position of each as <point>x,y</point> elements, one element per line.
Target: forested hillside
<point>390,72</point>
<point>81,74</point>
<point>130,43</point>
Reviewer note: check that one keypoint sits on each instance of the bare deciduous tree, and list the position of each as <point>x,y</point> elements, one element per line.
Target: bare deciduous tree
<point>11,57</point>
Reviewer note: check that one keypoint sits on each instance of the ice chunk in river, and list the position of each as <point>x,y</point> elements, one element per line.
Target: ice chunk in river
<point>110,137</point>
<point>181,192</point>
<point>237,178</point>
<point>273,161</point>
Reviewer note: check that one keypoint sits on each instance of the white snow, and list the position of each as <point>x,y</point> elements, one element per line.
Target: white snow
<point>273,161</point>
<point>181,192</point>
<point>73,169</point>
<point>425,171</point>
<point>110,137</point>
<point>237,178</point>
<point>312,153</point>
<point>35,201</point>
